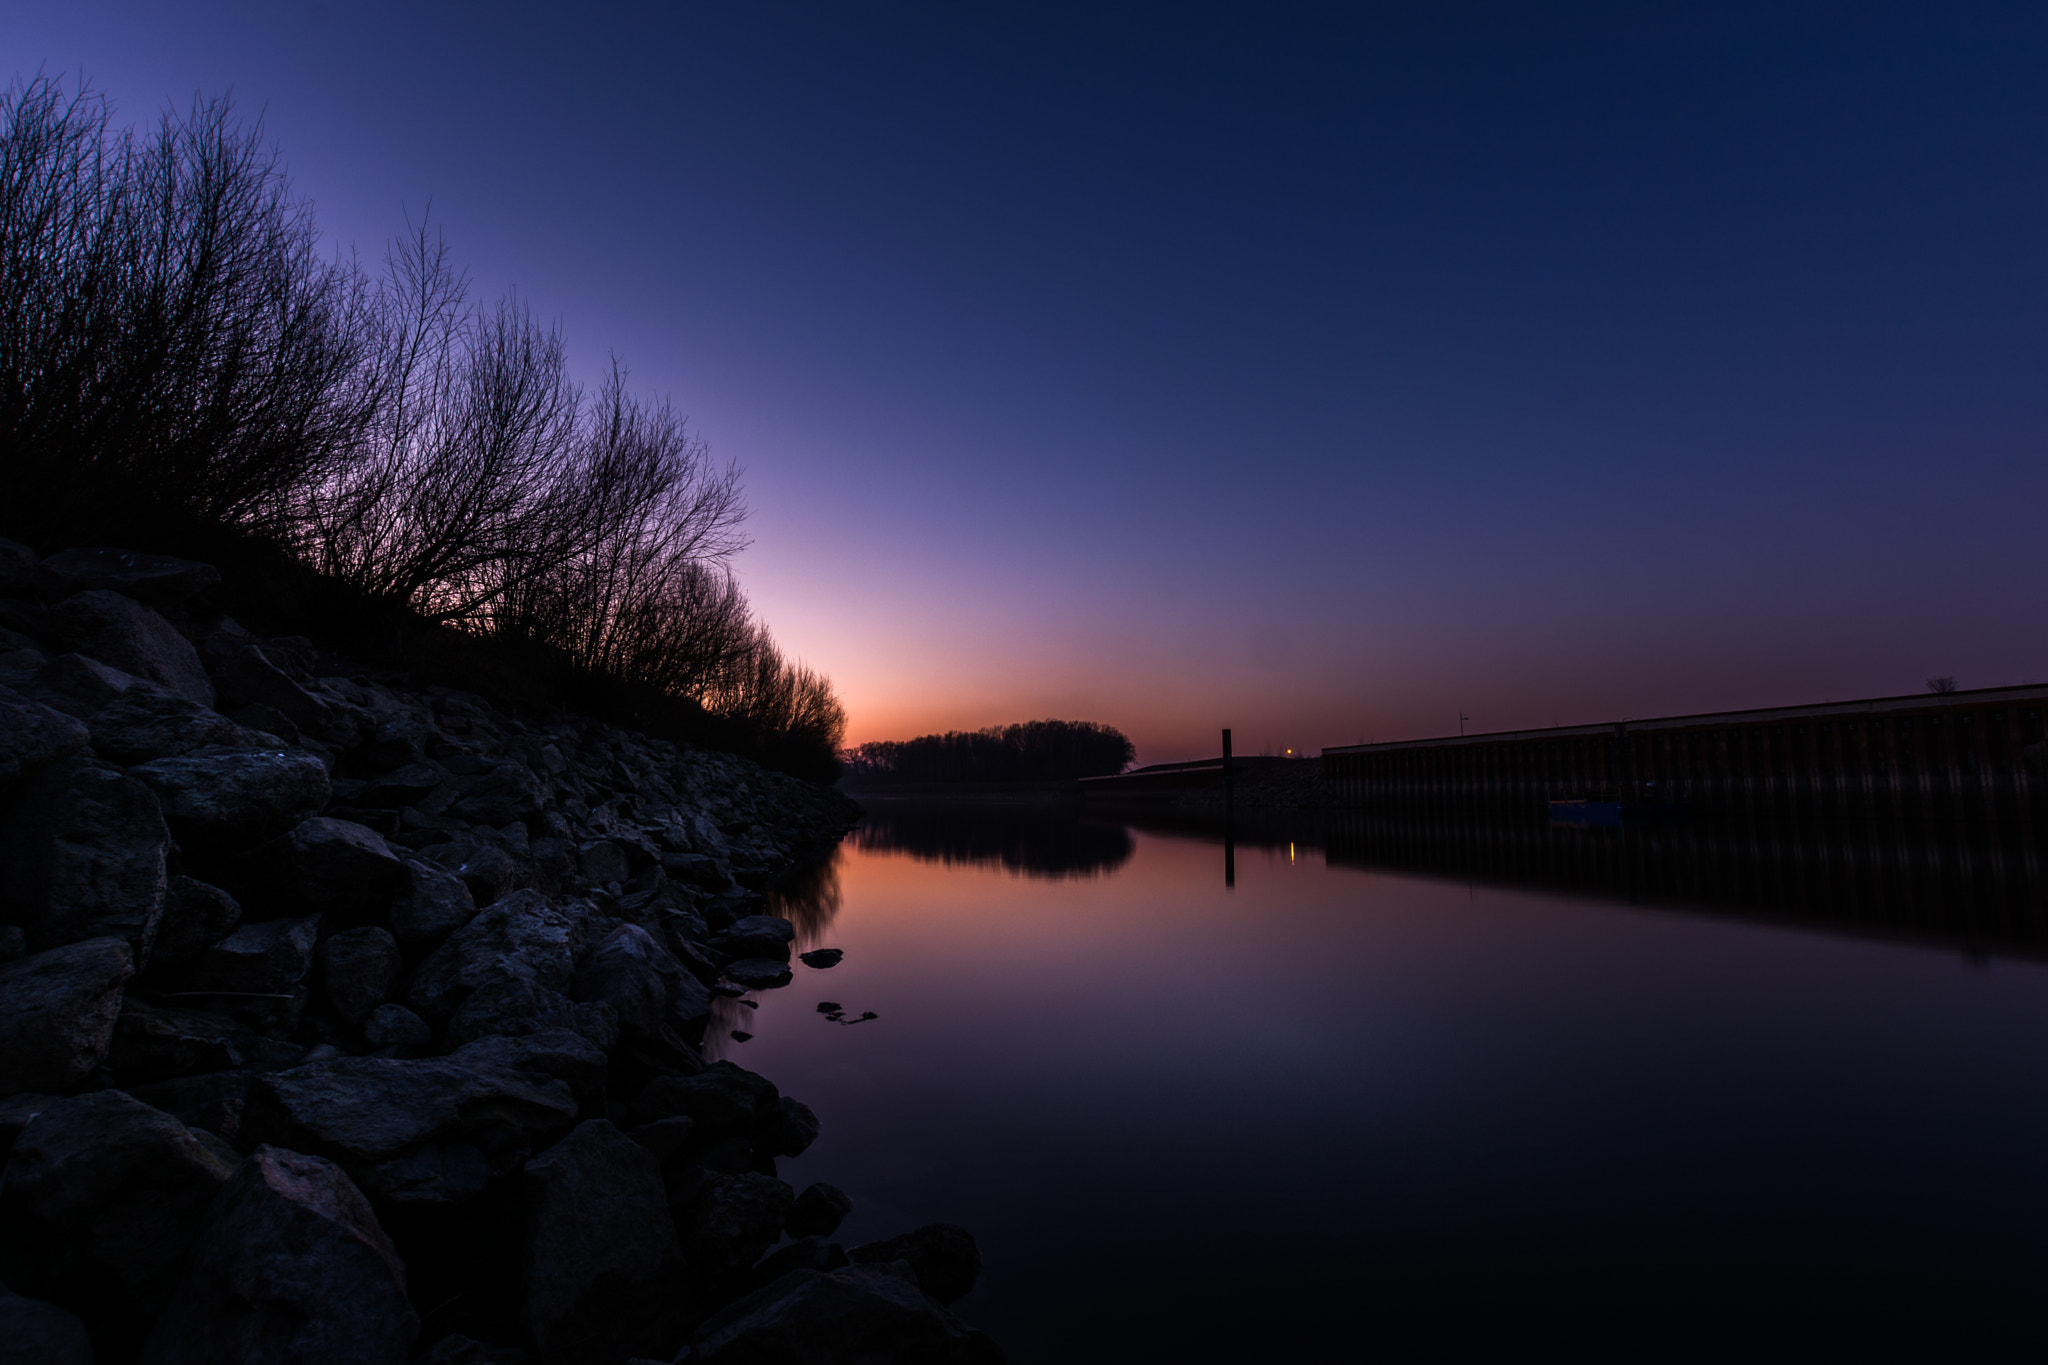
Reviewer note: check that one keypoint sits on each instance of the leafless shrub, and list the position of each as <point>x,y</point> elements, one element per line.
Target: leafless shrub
<point>1943,685</point>
<point>171,345</point>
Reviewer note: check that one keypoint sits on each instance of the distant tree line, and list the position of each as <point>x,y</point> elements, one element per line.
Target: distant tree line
<point>177,359</point>
<point>1035,751</point>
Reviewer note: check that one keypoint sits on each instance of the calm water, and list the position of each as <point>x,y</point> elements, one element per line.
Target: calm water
<point>1500,1094</point>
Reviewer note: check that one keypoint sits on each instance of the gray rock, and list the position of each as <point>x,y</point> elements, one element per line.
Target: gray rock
<point>159,580</point>
<point>723,1100</point>
<point>402,787</point>
<point>601,861</point>
<point>602,1265</point>
<point>428,903</point>
<point>396,1026</point>
<point>13,944</point>
<point>229,798</point>
<point>664,1137</point>
<point>819,959</point>
<point>133,720</point>
<point>291,1268</point>
<point>758,973</point>
<point>794,1134</point>
<point>158,1042</point>
<point>377,1114</point>
<point>642,981</point>
<point>559,1053</point>
<point>196,916</point>
<point>758,936</point>
<point>359,971</point>
<point>735,1219</point>
<point>490,872</point>
<point>804,1253</point>
<point>520,936</point>
<point>84,858</point>
<point>819,1211</point>
<point>248,677</point>
<point>698,869</point>
<point>396,743</point>
<point>32,736</point>
<point>120,631</point>
<point>57,1013</point>
<point>123,1184</point>
<point>943,1256</point>
<point>859,1313</point>
<point>212,1102</point>
<point>36,1333</point>
<point>509,1004</point>
<point>271,958</point>
<point>508,792</point>
<point>322,866</point>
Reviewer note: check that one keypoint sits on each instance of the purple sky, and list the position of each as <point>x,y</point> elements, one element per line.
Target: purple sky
<point>1315,374</point>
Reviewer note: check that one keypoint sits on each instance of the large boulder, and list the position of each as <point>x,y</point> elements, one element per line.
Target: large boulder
<point>230,798</point>
<point>723,1100</point>
<point>158,1042</point>
<point>291,1268</point>
<point>735,1219</point>
<point>120,631</point>
<point>642,981</point>
<point>196,916</point>
<point>560,1053</point>
<point>124,1185</point>
<point>860,1313</point>
<point>133,720</point>
<point>159,580</point>
<point>248,677</point>
<point>819,1211</point>
<point>271,958</point>
<point>213,1102</point>
<point>506,793</point>
<point>33,735</point>
<point>36,1333</point>
<point>602,1263</point>
<point>359,971</point>
<point>428,903</point>
<point>943,1256</point>
<point>322,866</point>
<point>430,1130</point>
<point>521,936</point>
<point>763,936</point>
<point>57,1013</point>
<point>83,857</point>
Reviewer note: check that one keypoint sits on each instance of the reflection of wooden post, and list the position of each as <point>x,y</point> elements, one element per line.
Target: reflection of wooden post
<point>1229,843</point>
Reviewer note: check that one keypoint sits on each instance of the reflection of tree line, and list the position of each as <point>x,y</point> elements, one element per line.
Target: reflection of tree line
<point>1048,840</point>
<point>1977,883</point>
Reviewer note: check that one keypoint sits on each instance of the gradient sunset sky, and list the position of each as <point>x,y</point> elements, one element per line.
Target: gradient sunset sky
<point>1321,371</point>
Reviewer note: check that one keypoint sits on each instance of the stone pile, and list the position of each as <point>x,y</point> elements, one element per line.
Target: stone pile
<point>348,1021</point>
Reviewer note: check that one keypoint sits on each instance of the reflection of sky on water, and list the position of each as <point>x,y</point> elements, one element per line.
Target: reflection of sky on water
<point>1412,1109</point>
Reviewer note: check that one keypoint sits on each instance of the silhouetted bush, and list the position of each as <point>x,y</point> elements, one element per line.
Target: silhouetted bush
<point>1036,751</point>
<point>179,370</point>
<point>172,350</point>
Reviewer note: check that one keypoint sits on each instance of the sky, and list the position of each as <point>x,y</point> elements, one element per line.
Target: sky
<point>1326,372</point>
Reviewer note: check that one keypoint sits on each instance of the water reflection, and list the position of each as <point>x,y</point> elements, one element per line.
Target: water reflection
<point>1978,884</point>
<point>1048,839</point>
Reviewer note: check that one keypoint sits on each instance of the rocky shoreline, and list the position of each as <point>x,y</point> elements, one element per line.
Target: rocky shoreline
<point>345,1020</point>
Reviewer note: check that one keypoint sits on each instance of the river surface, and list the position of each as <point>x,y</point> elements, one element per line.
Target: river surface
<point>1420,1094</point>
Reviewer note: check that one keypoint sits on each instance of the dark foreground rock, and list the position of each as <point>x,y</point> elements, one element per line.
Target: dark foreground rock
<point>331,1002</point>
<point>291,1267</point>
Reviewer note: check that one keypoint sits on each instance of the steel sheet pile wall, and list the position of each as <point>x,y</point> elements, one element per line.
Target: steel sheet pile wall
<point>1973,755</point>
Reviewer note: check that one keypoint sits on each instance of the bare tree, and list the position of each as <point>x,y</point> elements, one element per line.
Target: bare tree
<point>171,345</point>
<point>1944,684</point>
